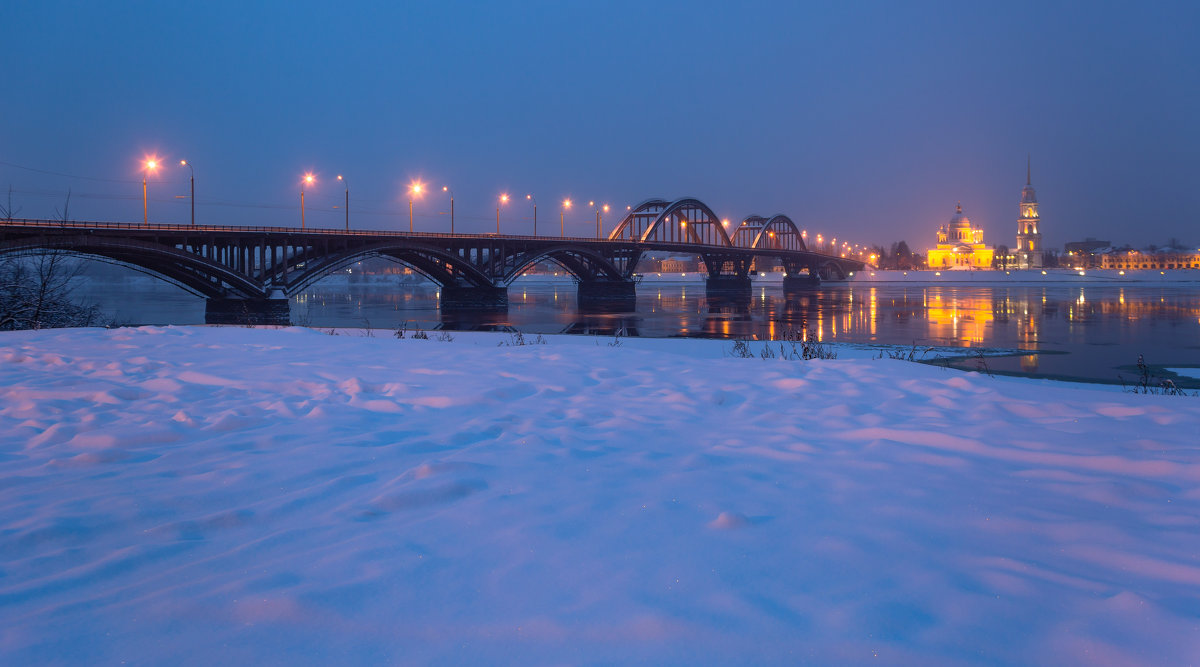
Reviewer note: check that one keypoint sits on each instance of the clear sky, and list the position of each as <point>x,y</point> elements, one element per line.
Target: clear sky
<point>863,120</point>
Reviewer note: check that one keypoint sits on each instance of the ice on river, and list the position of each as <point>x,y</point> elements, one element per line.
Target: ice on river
<point>210,495</point>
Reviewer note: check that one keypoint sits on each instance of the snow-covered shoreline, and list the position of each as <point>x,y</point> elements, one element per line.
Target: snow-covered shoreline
<point>1180,277</point>
<point>224,494</point>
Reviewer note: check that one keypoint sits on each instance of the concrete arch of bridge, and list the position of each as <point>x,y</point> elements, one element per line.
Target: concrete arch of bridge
<point>831,271</point>
<point>188,271</point>
<point>429,261</point>
<point>584,264</point>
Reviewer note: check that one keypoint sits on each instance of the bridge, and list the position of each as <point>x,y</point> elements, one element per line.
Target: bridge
<point>247,274</point>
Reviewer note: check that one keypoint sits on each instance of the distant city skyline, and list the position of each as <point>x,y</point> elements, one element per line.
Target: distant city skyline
<point>866,121</point>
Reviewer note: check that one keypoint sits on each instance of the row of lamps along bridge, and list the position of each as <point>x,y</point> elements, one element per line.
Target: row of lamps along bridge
<point>417,189</point>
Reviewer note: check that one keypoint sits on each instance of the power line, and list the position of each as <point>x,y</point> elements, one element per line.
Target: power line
<point>56,173</point>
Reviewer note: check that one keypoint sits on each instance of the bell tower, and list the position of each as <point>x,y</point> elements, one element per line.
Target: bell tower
<point>1029,234</point>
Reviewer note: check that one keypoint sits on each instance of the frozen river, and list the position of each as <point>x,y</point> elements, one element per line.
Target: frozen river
<point>1093,332</point>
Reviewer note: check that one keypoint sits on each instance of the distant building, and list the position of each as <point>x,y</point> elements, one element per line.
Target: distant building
<point>1086,246</point>
<point>960,246</point>
<point>1161,259</point>
<point>1028,253</point>
<point>681,265</point>
<point>1086,254</point>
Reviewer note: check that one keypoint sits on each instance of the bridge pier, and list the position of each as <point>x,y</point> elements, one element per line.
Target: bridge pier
<point>607,296</point>
<point>728,287</point>
<point>275,311</point>
<point>489,297</point>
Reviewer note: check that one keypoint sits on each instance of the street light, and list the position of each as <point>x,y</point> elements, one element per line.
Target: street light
<point>187,164</point>
<point>309,179</point>
<point>534,200</point>
<point>414,190</point>
<point>446,188</point>
<point>598,210</point>
<point>503,200</point>
<point>562,227</point>
<point>347,184</point>
<point>151,165</point>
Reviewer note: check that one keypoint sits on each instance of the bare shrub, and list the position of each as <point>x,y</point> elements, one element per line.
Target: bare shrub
<point>36,290</point>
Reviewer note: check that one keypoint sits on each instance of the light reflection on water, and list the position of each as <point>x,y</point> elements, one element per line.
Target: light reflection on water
<point>1100,327</point>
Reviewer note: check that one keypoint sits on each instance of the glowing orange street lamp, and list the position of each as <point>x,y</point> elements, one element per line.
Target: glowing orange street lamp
<point>414,190</point>
<point>344,182</point>
<point>562,225</point>
<point>151,166</point>
<point>534,200</point>
<point>308,179</point>
<point>187,164</point>
<point>503,200</point>
<point>446,188</point>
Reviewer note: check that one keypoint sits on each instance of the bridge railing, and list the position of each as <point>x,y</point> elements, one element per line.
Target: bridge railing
<point>319,231</point>
<point>172,227</point>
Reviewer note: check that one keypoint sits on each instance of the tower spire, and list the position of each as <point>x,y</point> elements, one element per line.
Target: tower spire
<point>1028,164</point>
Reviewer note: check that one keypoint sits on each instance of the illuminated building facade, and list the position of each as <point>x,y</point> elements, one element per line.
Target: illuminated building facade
<point>1029,235</point>
<point>960,246</point>
<point>1170,258</point>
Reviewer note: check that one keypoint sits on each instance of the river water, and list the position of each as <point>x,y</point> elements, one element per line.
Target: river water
<point>1089,332</point>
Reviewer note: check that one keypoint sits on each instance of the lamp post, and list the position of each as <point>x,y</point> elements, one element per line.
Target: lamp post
<point>414,190</point>
<point>192,178</point>
<point>598,210</point>
<point>534,200</point>
<point>503,200</point>
<point>309,179</point>
<point>347,184</point>
<point>446,188</point>
<point>151,165</point>
<point>562,225</point>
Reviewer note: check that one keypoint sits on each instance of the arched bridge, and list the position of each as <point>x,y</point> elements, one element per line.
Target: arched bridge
<point>247,273</point>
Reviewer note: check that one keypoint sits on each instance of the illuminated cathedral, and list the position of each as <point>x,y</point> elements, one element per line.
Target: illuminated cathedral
<point>960,245</point>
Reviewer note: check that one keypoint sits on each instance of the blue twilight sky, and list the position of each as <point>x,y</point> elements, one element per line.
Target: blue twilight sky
<point>864,120</point>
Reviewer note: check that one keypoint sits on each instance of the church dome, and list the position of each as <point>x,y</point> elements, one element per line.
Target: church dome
<point>959,221</point>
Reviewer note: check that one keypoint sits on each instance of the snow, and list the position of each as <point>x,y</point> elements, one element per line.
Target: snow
<point>221,494</point>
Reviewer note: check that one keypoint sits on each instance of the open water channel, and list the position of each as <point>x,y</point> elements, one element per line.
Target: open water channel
<point>1086,332</point>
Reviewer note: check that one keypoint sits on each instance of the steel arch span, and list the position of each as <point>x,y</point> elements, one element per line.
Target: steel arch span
<point>775,233</point>
<point>637,220</point>
<point>684,221</point>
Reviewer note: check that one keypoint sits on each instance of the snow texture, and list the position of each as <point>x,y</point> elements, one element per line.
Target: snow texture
<point>204,495</point>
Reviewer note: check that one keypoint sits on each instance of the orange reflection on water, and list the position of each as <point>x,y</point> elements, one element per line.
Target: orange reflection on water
<point>960,318</point>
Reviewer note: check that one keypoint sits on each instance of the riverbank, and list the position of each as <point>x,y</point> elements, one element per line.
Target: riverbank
<point>224,494</point>
<point>1182,277</point>
<point>1185,277</point>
